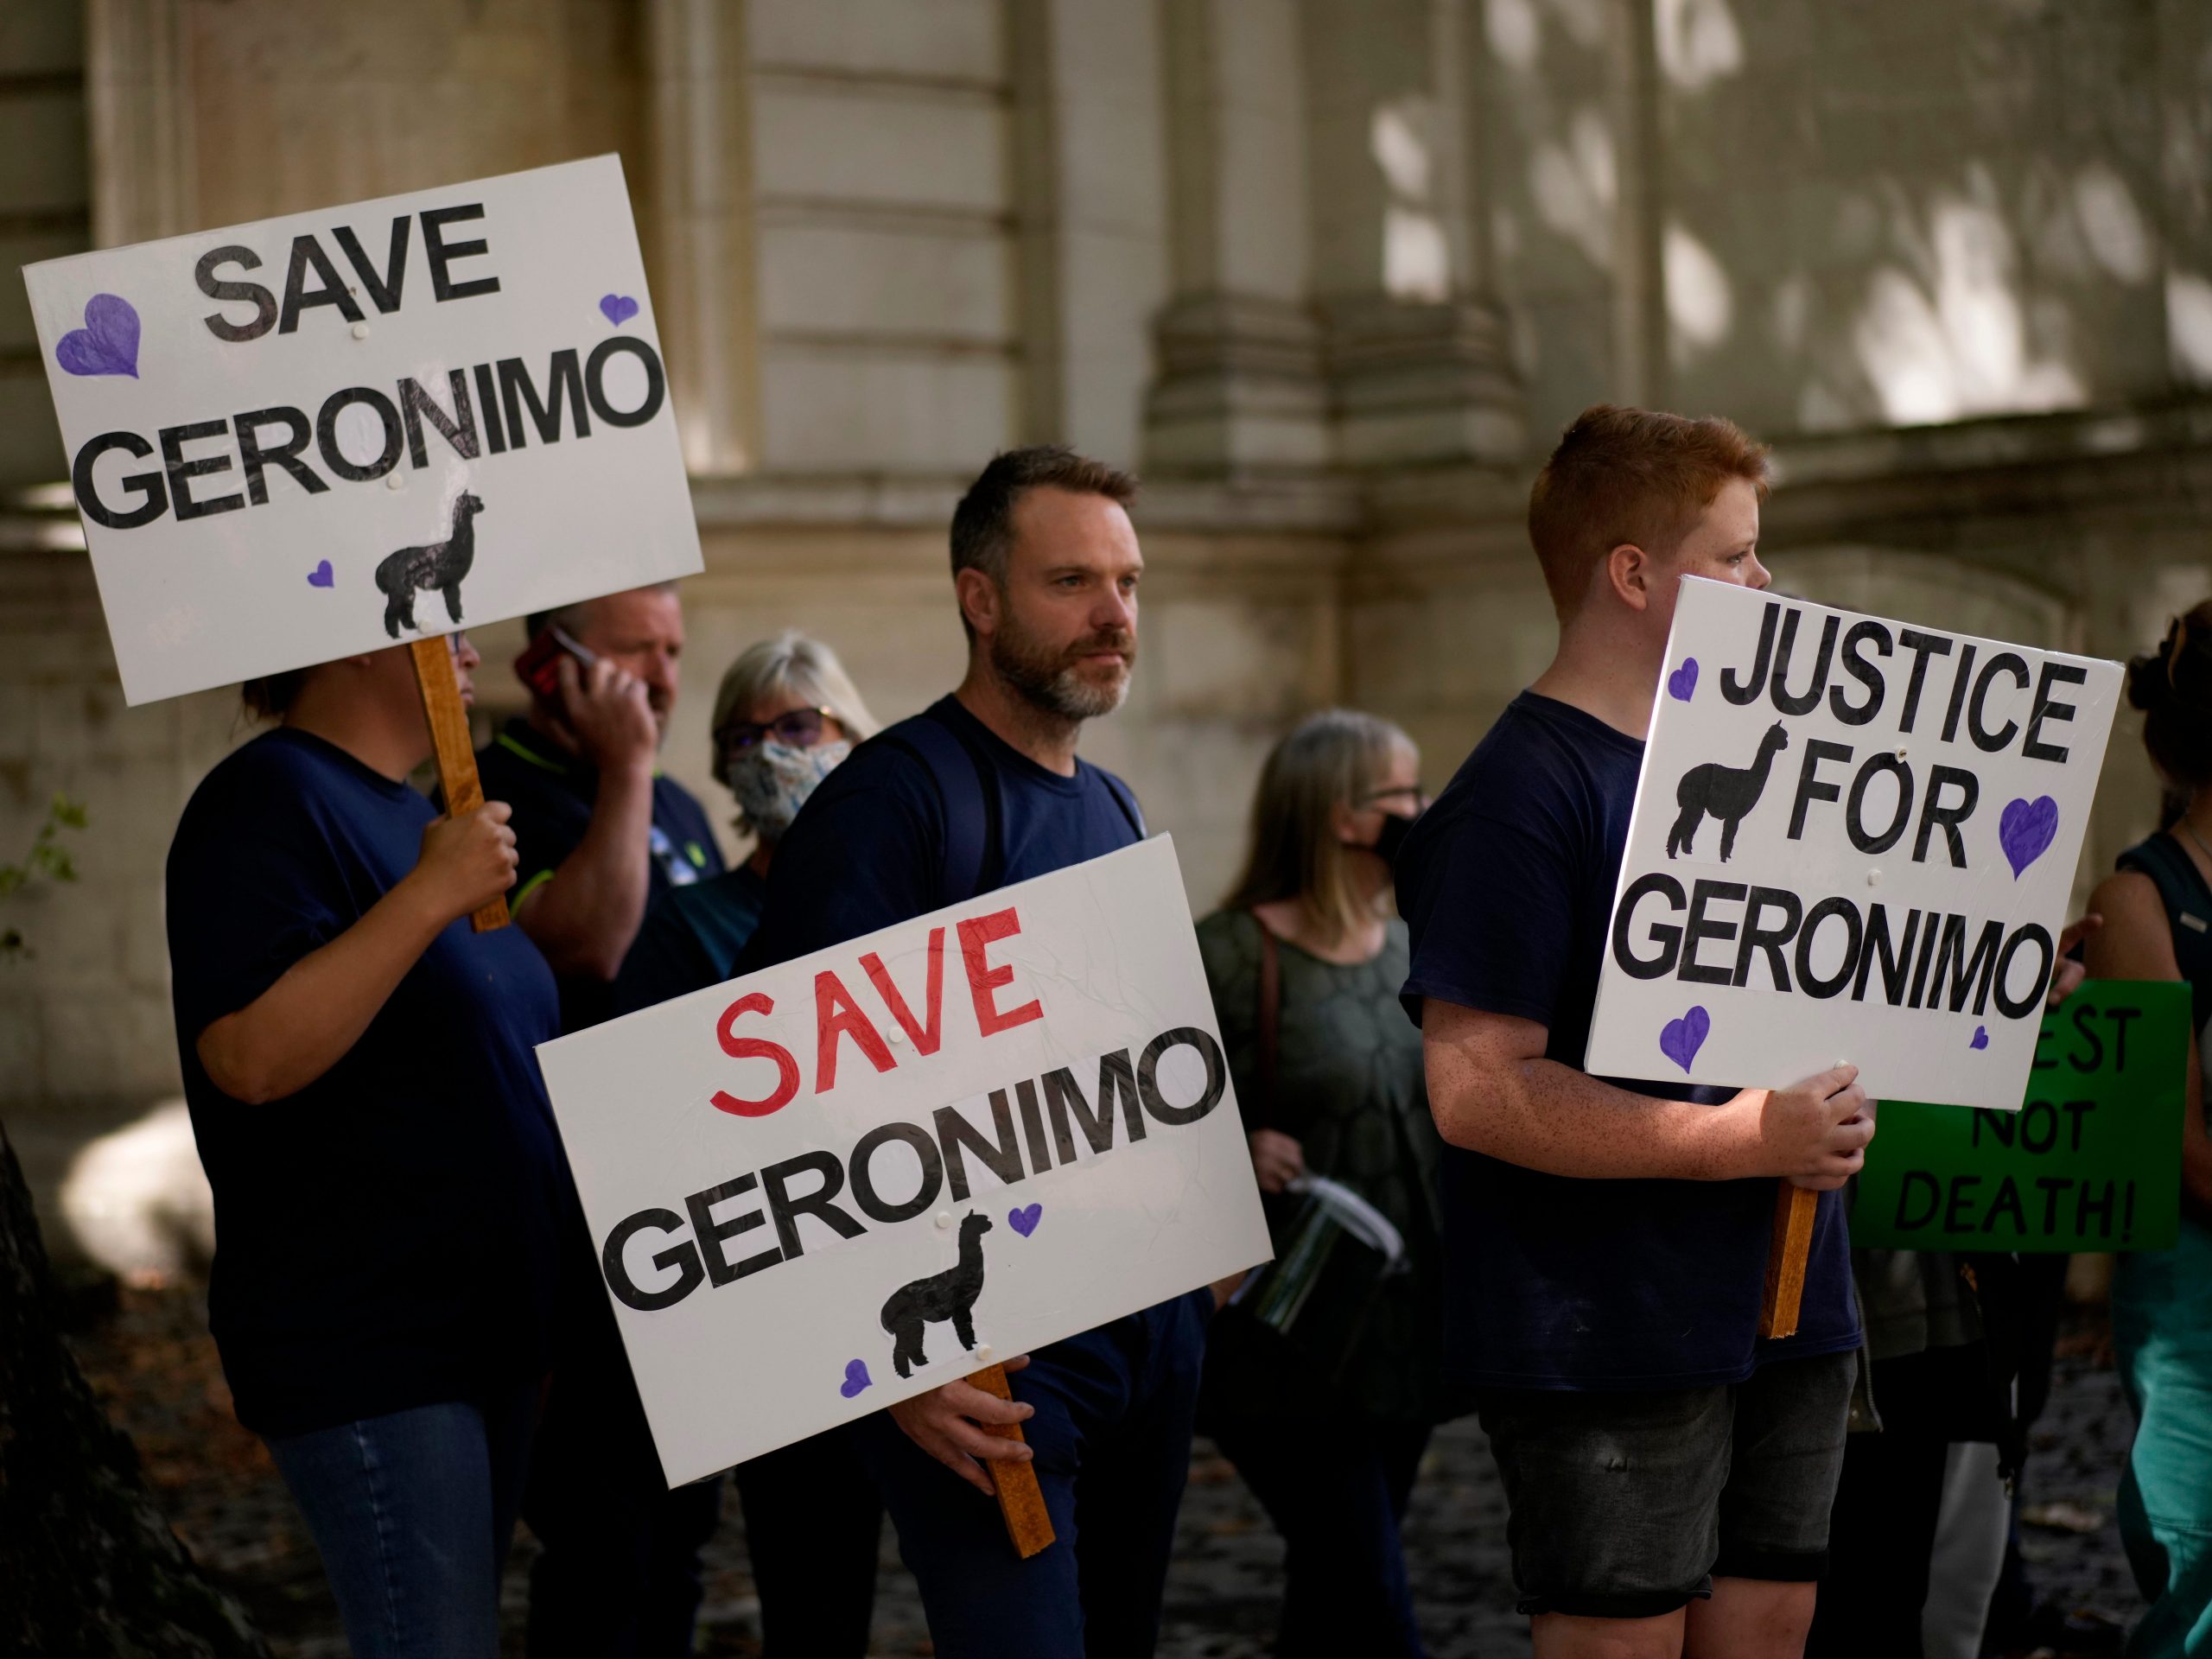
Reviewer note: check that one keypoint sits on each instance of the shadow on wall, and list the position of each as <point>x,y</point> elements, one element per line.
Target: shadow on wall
<point>1886,214</point>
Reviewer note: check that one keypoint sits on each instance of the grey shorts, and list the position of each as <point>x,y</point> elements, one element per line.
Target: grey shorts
<point>1625,1505</point>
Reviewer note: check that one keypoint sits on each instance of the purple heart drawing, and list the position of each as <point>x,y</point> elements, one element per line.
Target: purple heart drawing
<point>2024,829</point>
<point>856,1378</point>
<point>320,576</point>
<point>1981,1038</point>
<point>618,308</point>
<point>1683,681</point>
<point>107,344</point>
<point>1681,1038</point>
<point>1024,1221</point>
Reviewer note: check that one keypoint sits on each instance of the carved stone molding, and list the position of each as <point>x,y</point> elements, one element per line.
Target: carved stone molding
<point>138,105</point>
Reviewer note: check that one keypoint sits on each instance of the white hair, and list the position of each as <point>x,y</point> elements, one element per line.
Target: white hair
<point>790,665</point>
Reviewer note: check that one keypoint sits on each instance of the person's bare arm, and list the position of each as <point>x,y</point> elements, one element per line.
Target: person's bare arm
<point>2137,942</point>
<point>302,1026</point>
<point>2067,972</point>
<point>1491,1090</point>
<point>586,915</point>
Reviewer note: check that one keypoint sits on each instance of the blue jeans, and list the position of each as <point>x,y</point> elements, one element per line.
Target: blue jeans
<point>413,1514</point>
<point>1112,1438</point>
<point>2162,1326</point>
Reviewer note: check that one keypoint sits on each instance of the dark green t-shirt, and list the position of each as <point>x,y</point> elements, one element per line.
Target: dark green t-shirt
<point>1349,1089</point>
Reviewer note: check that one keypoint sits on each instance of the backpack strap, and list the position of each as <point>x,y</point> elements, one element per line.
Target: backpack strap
<point>967,789</point>
<point>1125,800</point>
<point>2189,912</point>
<point>1269,1024</point>
<point>975,813</point>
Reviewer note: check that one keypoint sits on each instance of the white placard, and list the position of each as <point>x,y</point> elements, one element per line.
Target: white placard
<point>1013,1111</point>
<point>291,440</point>
<point>1854,840</point>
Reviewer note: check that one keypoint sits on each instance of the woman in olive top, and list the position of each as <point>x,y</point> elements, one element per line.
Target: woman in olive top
<point>390,1193</point>
<point>1330,1440</point>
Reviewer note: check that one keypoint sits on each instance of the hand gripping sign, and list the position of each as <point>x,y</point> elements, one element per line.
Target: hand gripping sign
<point>828,1186</point>
<point>313,436</point>
<point>1853,839</point>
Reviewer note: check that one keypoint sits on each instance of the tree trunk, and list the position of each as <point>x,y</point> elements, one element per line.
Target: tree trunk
<point>87,1565</point>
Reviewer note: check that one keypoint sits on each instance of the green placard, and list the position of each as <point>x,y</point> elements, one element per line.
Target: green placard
<point>2092,1162</point>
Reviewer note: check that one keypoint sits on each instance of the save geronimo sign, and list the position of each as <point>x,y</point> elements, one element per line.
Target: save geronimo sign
<point>308,437</point>
<point>1853,839</point>
<point>832,1185</point>
<point>2091,1162</point>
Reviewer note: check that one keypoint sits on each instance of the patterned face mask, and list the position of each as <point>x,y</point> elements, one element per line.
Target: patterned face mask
<point>772,781</point>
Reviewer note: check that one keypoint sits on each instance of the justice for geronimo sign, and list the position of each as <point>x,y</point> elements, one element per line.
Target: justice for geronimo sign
<point>308,437</point>
<point>2091,1162</point>
<point>1853,839</point>
<point>834,1184</point>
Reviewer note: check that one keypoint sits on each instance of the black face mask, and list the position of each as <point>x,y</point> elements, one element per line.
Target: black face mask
<point>1391,840</point>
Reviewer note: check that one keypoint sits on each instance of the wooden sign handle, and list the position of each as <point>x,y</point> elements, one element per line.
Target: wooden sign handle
<point>1795,1210</point>
<point>441,705</point>
<point>1021,1500</point>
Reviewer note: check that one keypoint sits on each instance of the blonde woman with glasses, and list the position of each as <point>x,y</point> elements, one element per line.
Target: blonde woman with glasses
<point>785,714</point>
<point>1326,1413</point>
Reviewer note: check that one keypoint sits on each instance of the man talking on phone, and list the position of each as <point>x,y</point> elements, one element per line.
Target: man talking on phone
<point>600,831</point>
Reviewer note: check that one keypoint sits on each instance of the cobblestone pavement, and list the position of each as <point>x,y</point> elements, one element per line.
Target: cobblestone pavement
<point>156,1367</point>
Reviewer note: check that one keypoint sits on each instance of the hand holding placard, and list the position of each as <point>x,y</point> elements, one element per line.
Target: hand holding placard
<point>1814,1134</point>
<point>468,861</point>
<point>1822,1125</point>
<point>964,1428</point>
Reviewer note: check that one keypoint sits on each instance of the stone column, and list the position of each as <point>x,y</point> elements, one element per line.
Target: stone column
<point>2183,73</point>
<point>1238,383</point>
<point>138,107</point>
<point>1639,268</point>
<point>1089,200</point>
<point>699,241</point>
<point>1414,347</point>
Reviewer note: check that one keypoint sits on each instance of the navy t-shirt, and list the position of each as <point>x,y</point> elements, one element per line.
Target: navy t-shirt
<point>1553,1282</point>
<point>388,1236</point>
<point>552,793</point>
<point>867,848</point>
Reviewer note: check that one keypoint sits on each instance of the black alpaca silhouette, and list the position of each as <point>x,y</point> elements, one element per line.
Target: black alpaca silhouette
<point>441,565</point>
<point>947,1295</point>
<point>1727,792</point>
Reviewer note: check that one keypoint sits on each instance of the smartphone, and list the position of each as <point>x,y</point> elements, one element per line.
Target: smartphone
<point>539,665</point>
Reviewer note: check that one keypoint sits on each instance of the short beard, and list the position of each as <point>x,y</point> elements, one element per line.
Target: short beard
<point>1051,680</point>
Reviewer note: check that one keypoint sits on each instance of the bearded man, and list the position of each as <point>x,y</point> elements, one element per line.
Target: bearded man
<point>983,788</point>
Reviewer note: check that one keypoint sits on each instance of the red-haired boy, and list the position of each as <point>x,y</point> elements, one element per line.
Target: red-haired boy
<point>1668,1471</point>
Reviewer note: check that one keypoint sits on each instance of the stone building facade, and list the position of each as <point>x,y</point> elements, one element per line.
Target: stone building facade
<point>1330,273</point>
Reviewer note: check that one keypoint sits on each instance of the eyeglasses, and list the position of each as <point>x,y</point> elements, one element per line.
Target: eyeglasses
<point>799,728</point>
<point>1418,795</point>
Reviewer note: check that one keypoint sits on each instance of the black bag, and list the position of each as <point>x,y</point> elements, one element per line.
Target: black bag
<point>1334,1251</point>
<point>1333,1257</point>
